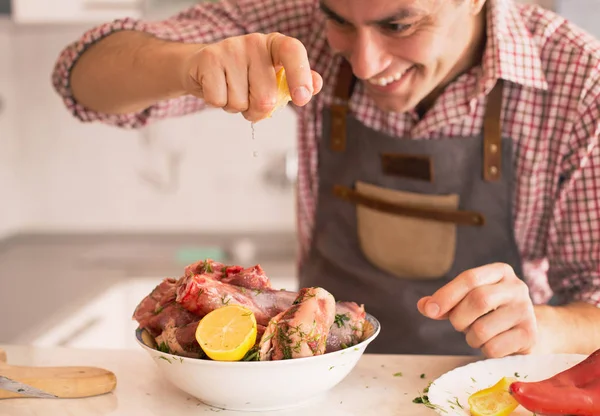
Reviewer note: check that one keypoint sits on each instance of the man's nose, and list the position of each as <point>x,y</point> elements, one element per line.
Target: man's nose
<point>368,57</point>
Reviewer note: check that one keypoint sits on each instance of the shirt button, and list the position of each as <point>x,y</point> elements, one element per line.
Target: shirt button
<point>472,105</point>
<point>493,170</point>
<point>493,148</point>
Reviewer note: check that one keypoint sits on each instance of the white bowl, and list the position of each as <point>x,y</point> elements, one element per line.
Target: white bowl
<point>260,385</point>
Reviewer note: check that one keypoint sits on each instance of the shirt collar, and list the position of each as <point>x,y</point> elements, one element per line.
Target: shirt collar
<point>510,52</point>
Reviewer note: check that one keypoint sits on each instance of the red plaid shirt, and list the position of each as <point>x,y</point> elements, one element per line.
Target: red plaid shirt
<point>551,112</point>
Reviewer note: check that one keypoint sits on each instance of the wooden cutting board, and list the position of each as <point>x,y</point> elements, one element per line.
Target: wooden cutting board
<point>64,382</point>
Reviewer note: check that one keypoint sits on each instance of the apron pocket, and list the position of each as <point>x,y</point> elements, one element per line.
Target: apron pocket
<point>407,234</point>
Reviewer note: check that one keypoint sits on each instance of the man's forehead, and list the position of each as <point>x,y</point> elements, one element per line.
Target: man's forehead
<point>362,10</point>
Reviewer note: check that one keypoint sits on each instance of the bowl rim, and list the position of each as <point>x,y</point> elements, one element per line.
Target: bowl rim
<point>296,361</point>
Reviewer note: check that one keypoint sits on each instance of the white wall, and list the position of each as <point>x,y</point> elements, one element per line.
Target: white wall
<point>77,176</point>
<point>584,13</point>
<point>11,207</point>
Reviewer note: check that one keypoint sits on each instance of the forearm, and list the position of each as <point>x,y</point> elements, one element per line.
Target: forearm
<point>128,71</point>
<point>571,329</point>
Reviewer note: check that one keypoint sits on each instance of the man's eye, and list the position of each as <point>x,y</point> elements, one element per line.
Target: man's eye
<point>396,27</point>
<point>338,20</point>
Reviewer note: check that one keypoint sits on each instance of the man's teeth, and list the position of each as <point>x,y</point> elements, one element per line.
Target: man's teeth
<point>383,81</point>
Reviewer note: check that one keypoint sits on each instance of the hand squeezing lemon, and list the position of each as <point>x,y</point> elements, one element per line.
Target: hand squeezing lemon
<point>227,333</point>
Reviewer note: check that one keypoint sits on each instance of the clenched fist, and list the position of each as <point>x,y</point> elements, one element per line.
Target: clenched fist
<point>238,74</point>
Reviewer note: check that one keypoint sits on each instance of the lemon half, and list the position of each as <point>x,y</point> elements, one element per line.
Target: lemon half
<point>227,333</point>
<point>283,92</point>
<point>493,401</point>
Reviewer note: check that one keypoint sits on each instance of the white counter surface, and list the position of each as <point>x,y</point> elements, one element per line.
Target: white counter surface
<point>371,389</point>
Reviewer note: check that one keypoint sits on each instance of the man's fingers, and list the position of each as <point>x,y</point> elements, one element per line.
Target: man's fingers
<point>421,304</point>
<point>317,82</point>
<point>450,295</point>
<point>214,87</point>
<point>516,340</point>
<point>487,327</point>
<point>262,87</point>
<point>480,301</point>
<point>237,90</point>
<point>291,53</point>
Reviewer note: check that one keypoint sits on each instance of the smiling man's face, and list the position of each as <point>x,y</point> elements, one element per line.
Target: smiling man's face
<point>406,51</point>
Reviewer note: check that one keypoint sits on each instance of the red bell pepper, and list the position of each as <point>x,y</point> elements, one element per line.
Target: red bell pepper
<point>575,391</point>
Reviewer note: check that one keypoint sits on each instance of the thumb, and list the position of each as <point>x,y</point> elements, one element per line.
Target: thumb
<point>291,54</point>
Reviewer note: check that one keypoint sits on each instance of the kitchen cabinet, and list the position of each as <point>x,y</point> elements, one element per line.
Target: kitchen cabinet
<point>74,11</point>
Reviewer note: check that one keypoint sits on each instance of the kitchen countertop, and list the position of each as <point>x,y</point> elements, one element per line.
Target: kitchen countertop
<point>370,389</point>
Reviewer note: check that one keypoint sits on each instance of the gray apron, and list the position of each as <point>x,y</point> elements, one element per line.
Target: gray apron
<point>397,219</point>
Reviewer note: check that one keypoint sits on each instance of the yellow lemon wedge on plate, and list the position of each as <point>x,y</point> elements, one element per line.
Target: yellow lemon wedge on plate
<point>493,401</point>
<point>283,92</point>
<point>227,333</point>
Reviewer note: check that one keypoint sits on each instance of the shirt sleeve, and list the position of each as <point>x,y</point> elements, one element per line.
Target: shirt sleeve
<point>574,240</point>
<point>207,22</point>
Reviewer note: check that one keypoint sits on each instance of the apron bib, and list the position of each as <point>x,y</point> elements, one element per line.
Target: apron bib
<point>397,219</point>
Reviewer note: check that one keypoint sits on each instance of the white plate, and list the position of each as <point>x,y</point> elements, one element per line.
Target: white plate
<point>458,384</point>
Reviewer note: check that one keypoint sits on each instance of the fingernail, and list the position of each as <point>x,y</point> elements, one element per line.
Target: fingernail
<point>432,309</point>
<point>301,94</point>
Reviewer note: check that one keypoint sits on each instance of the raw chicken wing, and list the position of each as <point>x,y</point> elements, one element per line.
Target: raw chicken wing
<point>302,330</point>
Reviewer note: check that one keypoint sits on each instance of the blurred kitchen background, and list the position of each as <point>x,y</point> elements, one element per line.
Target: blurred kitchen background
<point>93,217</point>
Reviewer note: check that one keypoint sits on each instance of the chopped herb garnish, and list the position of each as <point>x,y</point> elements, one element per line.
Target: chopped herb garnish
<point>455,402</point>
<point>252,354</point>
<point>164,358</point>
<point>399,374</point>
<point>340,318</point>
<point>207,267</point>
<point>424,399</point>
<point>422,376</point>
<point>517,374</point>
<point>163,347</point>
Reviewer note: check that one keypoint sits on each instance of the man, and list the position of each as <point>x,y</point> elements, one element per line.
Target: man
<point>449,172</point>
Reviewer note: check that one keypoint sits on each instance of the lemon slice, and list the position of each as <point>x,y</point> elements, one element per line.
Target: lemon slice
<point>493,401</point>
<point>283,92</point>
<point>227,333</point>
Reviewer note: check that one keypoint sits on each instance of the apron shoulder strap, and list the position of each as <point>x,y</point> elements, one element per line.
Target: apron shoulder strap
<point>345,81</point>
<point>492,134</point>
<point>343,91</point>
